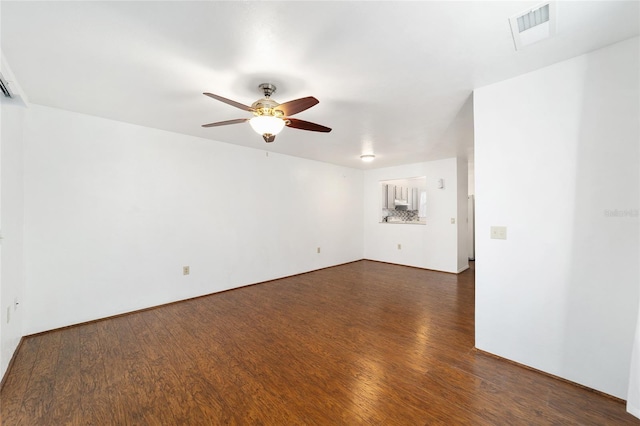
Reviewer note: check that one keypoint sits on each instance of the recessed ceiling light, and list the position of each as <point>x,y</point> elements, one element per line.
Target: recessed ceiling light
<point>367,158</point>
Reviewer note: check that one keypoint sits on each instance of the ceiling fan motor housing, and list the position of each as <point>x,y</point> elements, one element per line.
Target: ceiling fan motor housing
<point>266,107</point>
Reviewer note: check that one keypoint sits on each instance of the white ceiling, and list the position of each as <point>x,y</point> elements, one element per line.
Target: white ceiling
<point>393,78</point>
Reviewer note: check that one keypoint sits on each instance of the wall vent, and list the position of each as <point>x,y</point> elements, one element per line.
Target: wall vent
<point>533,18</point>
<point>4,87</point>
<point>533,25</point>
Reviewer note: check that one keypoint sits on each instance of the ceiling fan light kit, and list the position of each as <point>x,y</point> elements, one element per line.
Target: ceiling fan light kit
<point>266,124</point>
<point>271,117</point>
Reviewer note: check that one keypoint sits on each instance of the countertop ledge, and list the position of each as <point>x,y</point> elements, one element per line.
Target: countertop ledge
<point>408,222</point>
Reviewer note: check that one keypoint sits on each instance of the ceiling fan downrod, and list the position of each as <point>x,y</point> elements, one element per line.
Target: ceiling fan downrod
<point>268,89</point>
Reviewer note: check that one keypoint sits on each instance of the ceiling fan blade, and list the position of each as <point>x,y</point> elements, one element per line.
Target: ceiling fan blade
<point>224,123</point>
<point>297,105</point>
<point>228,101</point>
<point>306,125</point>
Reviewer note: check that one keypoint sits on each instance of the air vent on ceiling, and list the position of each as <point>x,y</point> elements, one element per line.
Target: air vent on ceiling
<point>4,87</point>
<point>533,25</point>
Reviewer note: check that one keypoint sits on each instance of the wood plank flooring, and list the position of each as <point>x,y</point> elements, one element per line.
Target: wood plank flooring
<point>361,343</point>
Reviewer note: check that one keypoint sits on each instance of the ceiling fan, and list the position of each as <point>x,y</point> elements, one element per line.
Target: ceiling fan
<point>270,117</point>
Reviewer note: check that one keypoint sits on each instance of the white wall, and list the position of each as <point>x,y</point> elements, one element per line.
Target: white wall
<point>11,223</point>
<point>113,211</point>
<point>431,246</point>
<point>554,150</point>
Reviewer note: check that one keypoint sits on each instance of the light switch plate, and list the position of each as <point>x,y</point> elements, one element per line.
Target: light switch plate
<point>498,232</point>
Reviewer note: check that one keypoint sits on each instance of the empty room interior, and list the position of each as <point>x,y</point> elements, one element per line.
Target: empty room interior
<point>319,212</point>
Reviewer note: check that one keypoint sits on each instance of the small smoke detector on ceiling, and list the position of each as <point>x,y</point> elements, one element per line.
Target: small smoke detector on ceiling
<point>533,25</point>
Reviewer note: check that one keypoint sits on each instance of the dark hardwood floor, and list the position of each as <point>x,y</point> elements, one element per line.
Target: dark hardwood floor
<point>362,343</point>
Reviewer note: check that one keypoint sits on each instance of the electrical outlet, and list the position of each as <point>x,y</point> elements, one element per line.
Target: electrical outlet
<point>399,246</point>
<point>318,250</point>
<point>453,220</point>
<point>498,232</point>
<point>185,270</point>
